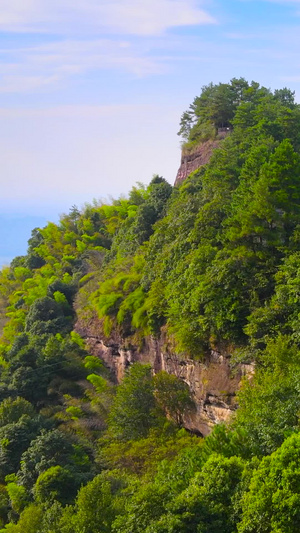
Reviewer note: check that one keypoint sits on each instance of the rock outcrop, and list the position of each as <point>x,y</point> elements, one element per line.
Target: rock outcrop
<point>213,382</point>
<point>199,156</point>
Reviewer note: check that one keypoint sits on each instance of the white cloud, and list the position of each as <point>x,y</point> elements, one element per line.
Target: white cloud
<point>15,12</point>
<point>137,17</point>
<point>150,17</point>
<point>94,112</point>
<point>43,66</point>
<point>97,35</point>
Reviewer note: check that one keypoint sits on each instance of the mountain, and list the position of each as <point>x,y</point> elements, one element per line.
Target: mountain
<point>133,330</point>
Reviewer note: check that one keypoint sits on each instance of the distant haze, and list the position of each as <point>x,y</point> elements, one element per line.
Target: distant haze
<point>91,93</point>
<point>14,234</point>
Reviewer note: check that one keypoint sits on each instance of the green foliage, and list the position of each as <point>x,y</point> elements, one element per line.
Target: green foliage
<point>91,362</point>
<point>30,520</point>
<point>210,265</point>
<point>269,403</point>
<point>56,483</point>
<point>95,507</point>
<point>173,396</point>
<point>216,106</point>
<point>99,382</point>
<point>50,448</point>
<point>132,413</point>
<point>145,506</point>
<point>11,410</point>
<point>272,501</point>
<point>145,455</point>
<point>14,440</point>
<point>47,315</point>
<point>207,504</point>
<point>18,496</point>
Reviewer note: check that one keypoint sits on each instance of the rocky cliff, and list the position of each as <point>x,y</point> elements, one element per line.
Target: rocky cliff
<point>199,156</point>
<point>213,382</point>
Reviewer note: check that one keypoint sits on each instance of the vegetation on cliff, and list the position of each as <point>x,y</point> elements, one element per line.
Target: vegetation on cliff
<point>212,264</point>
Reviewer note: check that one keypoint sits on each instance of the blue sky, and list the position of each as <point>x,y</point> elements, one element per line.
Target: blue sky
<point>91,92</point>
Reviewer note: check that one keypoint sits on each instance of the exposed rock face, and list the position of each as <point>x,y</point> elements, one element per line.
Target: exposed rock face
<point>199,157</point>
<point>213,383</point>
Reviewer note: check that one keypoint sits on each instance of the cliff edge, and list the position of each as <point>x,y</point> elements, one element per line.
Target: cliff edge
<point>191,161</point>
<point>213,382</point>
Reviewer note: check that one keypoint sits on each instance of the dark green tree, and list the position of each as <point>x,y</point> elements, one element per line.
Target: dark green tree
<point>273,500</point>
<point>173,396</point>
<point>133,411</point>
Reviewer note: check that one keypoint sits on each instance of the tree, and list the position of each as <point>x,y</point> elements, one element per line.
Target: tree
<point>270,403</point>
<point>95,507</point>
<point>273,500</point>
<point>56,483</point>
<point>33,259</point>
<point>215,106</point>
<point>152,209</point>
<point>18,496</point>
<point>46,316</point>
<point>30,521</point>
<point>50,448</point>
<point>285,96</point>
<point>146,505</point>
<point>15,439</point>
<point>173,396</point>
<point>132,413</point>
<point>11,410</point>
<point>207,505</point>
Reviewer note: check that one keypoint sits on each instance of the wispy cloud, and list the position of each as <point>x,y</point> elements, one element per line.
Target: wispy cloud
<point>151,17</point>
<point>137,17</point>
<point>48,65</point>
<point>88,35</point>
<point>94,112</point>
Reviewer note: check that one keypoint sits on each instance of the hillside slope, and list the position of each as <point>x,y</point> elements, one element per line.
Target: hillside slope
<point>198,282</point>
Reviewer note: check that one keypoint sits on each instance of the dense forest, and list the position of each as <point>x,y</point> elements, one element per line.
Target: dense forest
<point>212,264</point>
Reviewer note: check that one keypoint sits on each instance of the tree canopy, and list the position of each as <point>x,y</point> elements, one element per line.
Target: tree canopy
<point>211,265</point>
